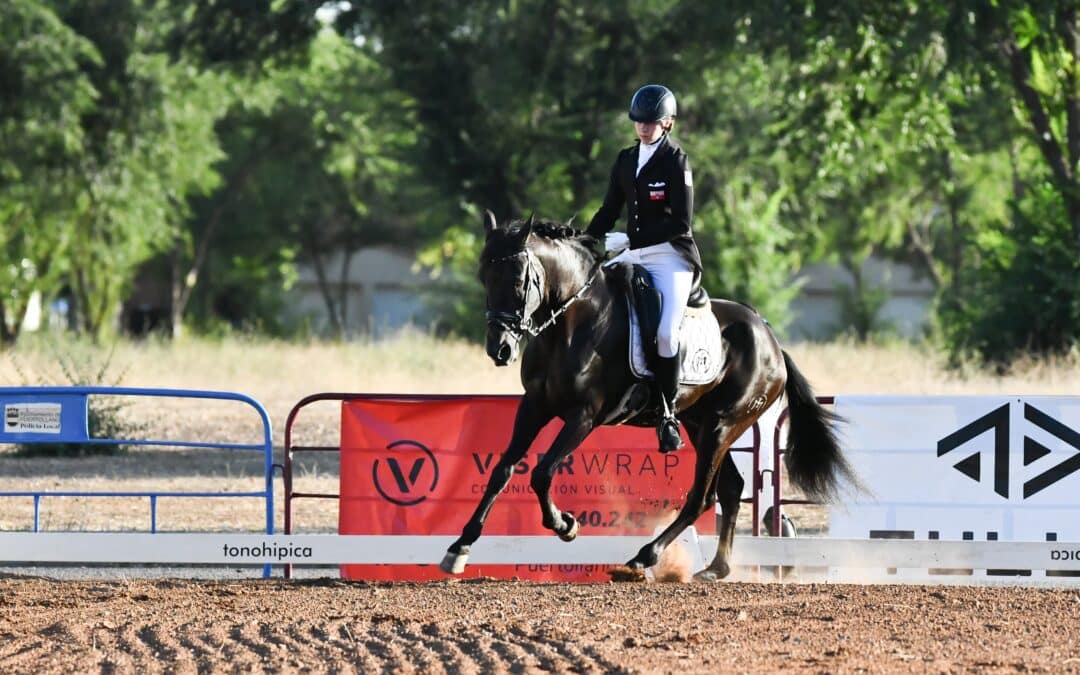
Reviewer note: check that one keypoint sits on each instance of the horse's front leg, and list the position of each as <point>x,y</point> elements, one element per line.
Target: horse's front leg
<point>568,439</point>
<point>529,421</point>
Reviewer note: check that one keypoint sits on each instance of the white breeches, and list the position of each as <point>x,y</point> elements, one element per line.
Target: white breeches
<point>673,276</point>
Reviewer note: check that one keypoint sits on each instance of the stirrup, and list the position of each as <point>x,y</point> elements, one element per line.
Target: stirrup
<point>668,434</point>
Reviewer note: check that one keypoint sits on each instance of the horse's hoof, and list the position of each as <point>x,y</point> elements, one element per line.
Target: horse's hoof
<point>454,563</point>
<point>625,573</point>
<point>572,533</point>
<point>711,574</point>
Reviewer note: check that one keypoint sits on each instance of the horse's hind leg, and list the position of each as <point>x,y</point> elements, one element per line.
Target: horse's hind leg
<point>712,446</point>
<point>568,439</point>
<point>728,488</point>
<point>529,421</point>
<point>700,497</point>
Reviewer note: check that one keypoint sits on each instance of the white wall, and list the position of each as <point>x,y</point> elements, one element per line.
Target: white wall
<point>817,309</point>
<point>383,292</point>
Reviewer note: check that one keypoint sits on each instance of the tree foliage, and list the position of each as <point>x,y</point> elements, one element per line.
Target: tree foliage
<point>109,130</point>
<point>44,92</point>
<point>225,141</point>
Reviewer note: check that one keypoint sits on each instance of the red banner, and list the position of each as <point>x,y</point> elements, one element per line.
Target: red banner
<point>421,467</point>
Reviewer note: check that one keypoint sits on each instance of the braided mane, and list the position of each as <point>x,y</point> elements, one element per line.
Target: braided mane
<point>551,229</point>
<point>507,241</point>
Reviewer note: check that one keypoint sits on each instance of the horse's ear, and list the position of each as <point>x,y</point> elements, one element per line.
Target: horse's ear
<point>490,224</point>
<point>570,223</point>
<point>527,227</point>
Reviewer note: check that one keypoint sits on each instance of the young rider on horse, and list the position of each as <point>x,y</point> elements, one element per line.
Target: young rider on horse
<point>652,178</point>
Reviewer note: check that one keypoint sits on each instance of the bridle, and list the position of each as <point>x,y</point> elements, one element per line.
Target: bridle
<point>519,322</point>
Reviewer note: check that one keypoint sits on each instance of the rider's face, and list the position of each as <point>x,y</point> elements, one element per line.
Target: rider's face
<point>649,132</point>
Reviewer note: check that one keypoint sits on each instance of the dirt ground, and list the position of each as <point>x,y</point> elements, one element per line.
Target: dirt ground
<point>498,626</point>
<point>189,626</point>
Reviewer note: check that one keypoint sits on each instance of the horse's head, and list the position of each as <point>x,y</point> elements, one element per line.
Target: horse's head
<point>514,282</point>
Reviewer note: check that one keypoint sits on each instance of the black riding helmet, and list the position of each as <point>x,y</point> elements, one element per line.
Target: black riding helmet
<point>652,103</point>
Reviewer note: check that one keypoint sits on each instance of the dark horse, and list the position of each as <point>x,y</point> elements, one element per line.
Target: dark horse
<point>545,279</point>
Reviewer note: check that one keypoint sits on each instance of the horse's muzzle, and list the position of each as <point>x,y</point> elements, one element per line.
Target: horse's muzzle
<point>502,349</point>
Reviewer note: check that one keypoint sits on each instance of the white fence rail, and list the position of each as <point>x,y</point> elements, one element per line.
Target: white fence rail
<point>331,549</point>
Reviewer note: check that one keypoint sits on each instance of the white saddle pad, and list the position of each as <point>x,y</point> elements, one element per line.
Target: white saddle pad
<point>699,336</point>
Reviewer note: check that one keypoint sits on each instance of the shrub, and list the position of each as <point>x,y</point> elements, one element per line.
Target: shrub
<point>79,366</point>
<point>1023,295</point>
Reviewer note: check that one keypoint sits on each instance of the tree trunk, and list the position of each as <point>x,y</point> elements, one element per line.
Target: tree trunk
<point>327,293</point>
<point>177,303</point>
<point>1046,140</point>
<point>343,288</point>
<point>184,285</point>
<point>1071,36</point>
<point>8,335</point>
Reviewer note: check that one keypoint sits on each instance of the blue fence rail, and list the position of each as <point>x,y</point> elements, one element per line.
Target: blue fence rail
<point>61,415</point>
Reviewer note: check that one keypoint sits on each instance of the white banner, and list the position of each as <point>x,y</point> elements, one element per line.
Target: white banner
<point>962,468</point>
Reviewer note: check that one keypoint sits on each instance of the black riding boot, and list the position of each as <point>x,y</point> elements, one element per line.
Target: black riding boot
<point>667,380</point>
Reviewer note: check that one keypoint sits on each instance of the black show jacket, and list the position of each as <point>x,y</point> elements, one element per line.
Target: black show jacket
<point>659,200</point>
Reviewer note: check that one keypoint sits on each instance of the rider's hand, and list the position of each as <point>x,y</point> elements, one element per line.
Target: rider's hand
<point>616,241</point>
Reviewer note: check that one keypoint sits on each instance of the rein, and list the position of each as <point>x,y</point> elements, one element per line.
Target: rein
<point>519,324</point>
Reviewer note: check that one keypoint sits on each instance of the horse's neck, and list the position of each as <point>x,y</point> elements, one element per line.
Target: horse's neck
<point>566,269</point>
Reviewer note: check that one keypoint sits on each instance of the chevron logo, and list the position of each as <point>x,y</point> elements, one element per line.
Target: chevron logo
<point>997,420</point>
<point>1034,450</point>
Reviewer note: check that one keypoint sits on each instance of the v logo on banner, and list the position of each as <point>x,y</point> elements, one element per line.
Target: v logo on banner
<point>399,477</point>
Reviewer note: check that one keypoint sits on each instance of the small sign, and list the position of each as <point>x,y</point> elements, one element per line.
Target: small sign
<point>32,418</point>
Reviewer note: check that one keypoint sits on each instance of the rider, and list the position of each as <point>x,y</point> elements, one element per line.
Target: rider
<point>653,179</point>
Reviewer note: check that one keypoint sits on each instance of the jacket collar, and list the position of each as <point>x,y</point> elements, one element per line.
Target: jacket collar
<point>663,146</point>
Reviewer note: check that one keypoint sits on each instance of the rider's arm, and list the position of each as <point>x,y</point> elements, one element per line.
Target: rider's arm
<point>682,199</point>
<point>614,200</point>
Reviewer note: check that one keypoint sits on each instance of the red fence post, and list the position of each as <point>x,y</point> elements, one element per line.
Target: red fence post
<point>778,499</point>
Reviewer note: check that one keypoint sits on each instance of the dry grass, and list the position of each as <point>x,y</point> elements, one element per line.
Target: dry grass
<point>903,368</point>
<point>279,374</point>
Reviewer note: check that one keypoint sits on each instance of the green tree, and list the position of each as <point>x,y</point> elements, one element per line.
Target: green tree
<point>518,104</point>
<point>917,109</point>
<point>522,107</point>
<point>43,93</point>
<point>318,167</point>
<point>741,182</point>
<point>136,185</point>
<point>108,129</point>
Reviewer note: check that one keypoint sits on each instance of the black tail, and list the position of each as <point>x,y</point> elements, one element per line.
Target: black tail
<point>813,457</point>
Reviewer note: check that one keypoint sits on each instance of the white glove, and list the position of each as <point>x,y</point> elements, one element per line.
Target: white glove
<point>616,241</point>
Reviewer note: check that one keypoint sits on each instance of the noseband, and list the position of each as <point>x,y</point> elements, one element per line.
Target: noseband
<point>518,322</point>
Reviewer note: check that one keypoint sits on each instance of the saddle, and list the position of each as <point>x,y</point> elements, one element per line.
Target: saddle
<point>700,345</point>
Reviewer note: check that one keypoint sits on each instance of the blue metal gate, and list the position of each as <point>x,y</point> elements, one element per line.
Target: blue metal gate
<point>61,415</point>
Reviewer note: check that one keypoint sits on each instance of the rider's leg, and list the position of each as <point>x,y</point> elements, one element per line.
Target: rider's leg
<point>667,380</point>
<point>673,277</point>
